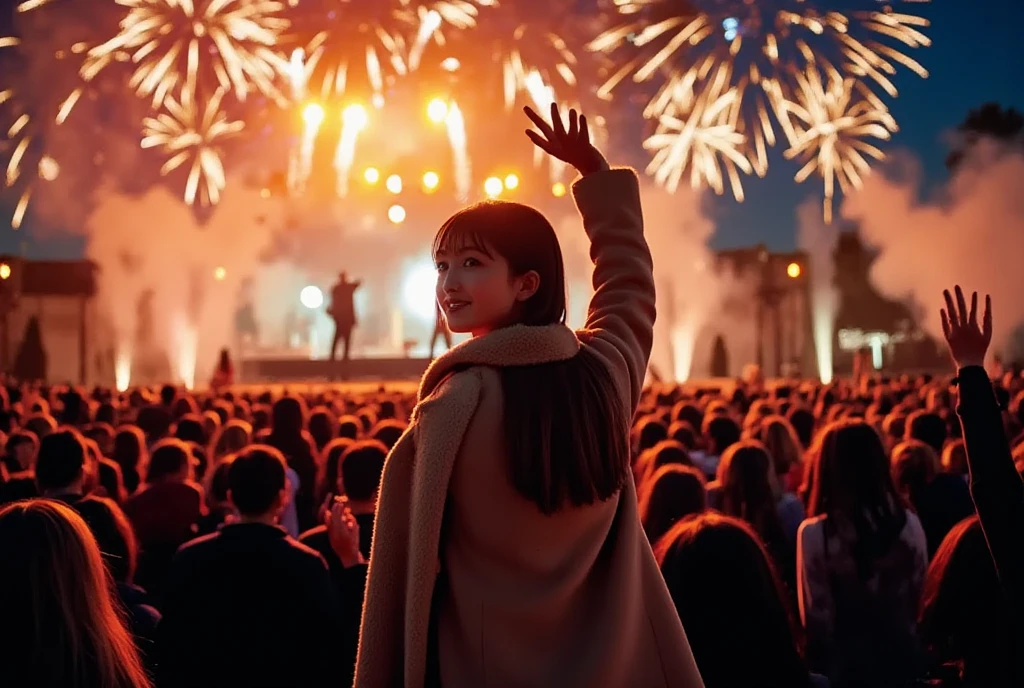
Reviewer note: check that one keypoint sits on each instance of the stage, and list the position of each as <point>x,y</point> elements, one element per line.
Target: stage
<point>298,369</point>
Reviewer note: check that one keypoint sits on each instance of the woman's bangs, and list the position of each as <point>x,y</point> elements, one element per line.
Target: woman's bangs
<point>459,234</point>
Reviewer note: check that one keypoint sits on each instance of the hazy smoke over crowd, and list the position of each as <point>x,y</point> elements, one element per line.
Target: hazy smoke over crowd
<point>169,284</point>
<point>819,240</point>
<point>971,232</point>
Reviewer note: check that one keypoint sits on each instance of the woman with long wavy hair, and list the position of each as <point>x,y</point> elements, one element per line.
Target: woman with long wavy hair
<point>60,626</point>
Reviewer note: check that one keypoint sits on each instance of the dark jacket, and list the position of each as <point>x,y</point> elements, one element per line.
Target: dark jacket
<point>248,606</point>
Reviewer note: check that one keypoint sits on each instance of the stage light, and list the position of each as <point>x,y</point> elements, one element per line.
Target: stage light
<point>511,181</point>
<point>5,271</point>
<point>418,290</point>
<point>450,64</point>
<point>396,214</point>
<point>430,181</point>
<point>793,270</point>
<point>313,115</point>
<point>355,116</point>
<point>492,186</point>
<point>311,297</point>
<point>394,184</point>
<point>219,273</point>
<point>264,193</point>
<point>558,189</point>
<point>437,110</point>
<point>371,175</point>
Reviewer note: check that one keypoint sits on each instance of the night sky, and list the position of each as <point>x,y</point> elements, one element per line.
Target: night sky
<point>977,56</point>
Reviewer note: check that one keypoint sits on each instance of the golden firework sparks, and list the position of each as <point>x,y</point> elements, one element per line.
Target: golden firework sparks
<point>700,135</point>
<point>191,135</point>
<point>180,44</point>
<point>761,47</point>
<point>831,119</point>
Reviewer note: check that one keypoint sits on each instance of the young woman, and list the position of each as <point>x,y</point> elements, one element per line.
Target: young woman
<point>735,608</point>
<point>60,626</point>
<point>861,560</point>
<point>541,575</point>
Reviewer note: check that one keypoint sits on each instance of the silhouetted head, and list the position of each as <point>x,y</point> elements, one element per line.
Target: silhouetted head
<point>498,264</point>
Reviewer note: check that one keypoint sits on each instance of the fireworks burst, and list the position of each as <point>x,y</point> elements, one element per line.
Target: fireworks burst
<point>191,44</point>
<point>702,137</point>
<point>760,50</point>
<point>191,134</point>
<point>353,47</point>
<point>831,121</point>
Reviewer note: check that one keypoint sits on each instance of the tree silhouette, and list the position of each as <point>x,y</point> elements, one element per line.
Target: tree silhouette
<point>992,121</point>
<point>30,362</point>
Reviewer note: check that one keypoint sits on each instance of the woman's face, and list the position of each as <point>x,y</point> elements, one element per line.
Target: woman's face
<point>476,291</point>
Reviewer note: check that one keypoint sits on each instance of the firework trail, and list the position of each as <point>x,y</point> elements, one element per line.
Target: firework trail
<point>191,132</point>
<point>198,44</point>
<point>762,50</point>
<point>831,120</point>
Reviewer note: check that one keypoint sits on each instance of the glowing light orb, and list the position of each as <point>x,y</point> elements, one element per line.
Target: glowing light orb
<point>793,270</point>
<point>311,297</point>
<point>313,115</point>
<point>511,182</point>
<point>418,290</point>
<point>437,110</point>
<point>371,175</point>
<point>355,116</point>
<point>431,180</point>
<point>396,214</point>
<point>5,271</point>
<point>493,186</point>
<point>219,273</point>
<point>49,169</point>
<point>558,189</point>
<point>394,184</point>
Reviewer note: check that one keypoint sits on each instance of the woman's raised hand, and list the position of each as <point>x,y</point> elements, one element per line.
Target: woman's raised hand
<point>967,341</point>
<point>571,146</point>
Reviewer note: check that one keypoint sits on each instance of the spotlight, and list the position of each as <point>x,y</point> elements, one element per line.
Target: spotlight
<point>355,116</point>
<point>430,181</point>
<point>371,175</point>
<point>313,115</point>
<point>396,214</point>
<point>219,273</point>
<point>5,271</point>
<point>558,189</point>
<point>394,184</point>
<point>437,110</point>
<point>793,270</point>
<point>492,187</point>
<point>311,297</point>
<point>511,182</point>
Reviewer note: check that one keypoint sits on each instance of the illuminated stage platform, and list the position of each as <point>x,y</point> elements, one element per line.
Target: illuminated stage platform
<point>300,369</point>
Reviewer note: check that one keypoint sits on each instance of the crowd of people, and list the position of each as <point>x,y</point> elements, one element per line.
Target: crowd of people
<point>534,516</point>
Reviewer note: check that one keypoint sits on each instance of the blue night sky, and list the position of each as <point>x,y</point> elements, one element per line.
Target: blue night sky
<point>976,57</point>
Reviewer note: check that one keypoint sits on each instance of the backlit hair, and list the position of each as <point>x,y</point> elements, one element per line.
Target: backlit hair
<point>60,625</point>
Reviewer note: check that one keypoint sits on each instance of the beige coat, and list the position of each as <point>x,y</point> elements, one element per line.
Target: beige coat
<point>523,599</point>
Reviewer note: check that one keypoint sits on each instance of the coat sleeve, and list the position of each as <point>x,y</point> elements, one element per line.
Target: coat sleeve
<point>620,321</point>
<point>996,487</point>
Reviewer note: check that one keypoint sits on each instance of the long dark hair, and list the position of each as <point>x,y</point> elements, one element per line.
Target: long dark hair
<point>963,621</point>
<point>566,426</point>
<point>61,625</point>
<point>748,492</point>
<point>852,484</point>
<point>729,596</point>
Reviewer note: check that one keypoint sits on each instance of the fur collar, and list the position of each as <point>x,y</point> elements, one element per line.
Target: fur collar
<point>518,345</point>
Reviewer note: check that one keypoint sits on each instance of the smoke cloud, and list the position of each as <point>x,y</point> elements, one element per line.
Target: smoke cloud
<point>970,232</point>
<point>818,240</point>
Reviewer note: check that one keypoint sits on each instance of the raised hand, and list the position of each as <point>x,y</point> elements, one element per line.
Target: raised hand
<point>571,146</point>
<point>967,341</point>
<point>343,533</point>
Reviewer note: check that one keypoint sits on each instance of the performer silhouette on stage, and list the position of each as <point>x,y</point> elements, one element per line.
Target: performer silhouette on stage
<point>343,311</point>
<point>440,330</point>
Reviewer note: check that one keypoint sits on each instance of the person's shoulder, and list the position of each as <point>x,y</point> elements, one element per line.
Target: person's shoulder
<point>198,548</point>
<point>305,554</point>
<point>812,529</point>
